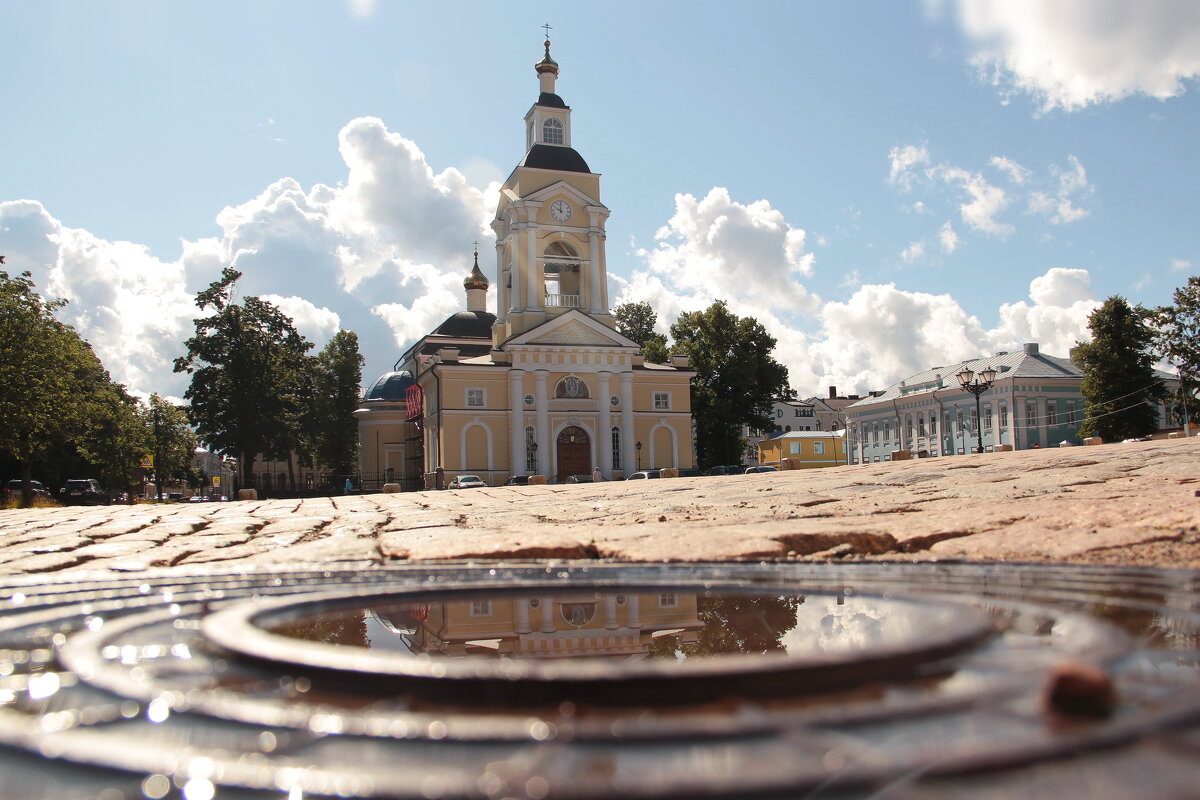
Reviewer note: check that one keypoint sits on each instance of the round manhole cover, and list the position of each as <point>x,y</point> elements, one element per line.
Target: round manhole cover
<point>603,680</point>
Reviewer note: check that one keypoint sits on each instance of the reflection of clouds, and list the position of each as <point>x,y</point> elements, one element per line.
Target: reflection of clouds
<point>823,626</point>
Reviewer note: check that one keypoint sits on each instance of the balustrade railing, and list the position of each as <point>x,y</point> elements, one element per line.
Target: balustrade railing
<point>562,301</point>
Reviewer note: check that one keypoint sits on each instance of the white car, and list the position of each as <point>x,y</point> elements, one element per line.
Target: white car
<point>467,482</point>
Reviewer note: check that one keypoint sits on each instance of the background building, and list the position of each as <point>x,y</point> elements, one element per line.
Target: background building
<point>1035,401</point>
<point>547,386</point>
<point>803,449</point>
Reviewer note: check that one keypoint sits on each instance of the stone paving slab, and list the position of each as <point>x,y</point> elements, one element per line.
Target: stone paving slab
<point>1121,503</point>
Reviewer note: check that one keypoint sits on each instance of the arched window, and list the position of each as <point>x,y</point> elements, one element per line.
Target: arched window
<point>561,275</point>
<point>552,131</point>
<point>571,388</point>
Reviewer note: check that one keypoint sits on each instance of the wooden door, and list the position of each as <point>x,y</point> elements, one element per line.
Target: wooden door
<point>574,453</point>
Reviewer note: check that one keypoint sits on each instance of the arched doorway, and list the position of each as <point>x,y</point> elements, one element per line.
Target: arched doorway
<point>574,453</point>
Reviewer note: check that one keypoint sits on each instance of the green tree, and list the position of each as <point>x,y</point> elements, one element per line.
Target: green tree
<point>1177,341</point>
<point>1119,383</point>
<point>47,373</point>
<point>174,441</point>
<point>246,363</point>
<point>337,379</point>
<point>736,380</point>
<point>636,321</point>
<point>118,440</point>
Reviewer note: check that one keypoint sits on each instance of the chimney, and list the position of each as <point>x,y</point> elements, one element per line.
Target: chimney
<point>832,392</point>
<point>1031,348</point>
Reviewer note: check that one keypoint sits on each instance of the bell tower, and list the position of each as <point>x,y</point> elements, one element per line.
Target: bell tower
<point>549,224</point>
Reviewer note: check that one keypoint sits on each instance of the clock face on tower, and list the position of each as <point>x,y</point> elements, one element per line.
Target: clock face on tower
<point>560,210</point>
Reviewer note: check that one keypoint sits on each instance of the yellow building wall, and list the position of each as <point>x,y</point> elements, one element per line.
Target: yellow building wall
<point>778,452</point>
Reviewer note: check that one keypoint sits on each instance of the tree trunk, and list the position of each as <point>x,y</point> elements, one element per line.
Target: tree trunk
<point>26,483</point>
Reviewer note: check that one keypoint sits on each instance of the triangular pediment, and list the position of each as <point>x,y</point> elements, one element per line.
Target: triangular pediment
<point>560,188</point>
<point>572,328</point>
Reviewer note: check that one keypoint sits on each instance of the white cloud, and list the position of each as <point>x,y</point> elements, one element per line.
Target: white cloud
<point>363,8</point>
<point>1060,207</point>
<point>1016,173</point>
<point>986,201</point>
<point>384,255</point>
<point>905,161</point>
<point>719,248</point>
<point>1069,54</point>
<point>948,238</point>
<point>1179,264</point>
<point>913,252</point>
<point>1061,299</point>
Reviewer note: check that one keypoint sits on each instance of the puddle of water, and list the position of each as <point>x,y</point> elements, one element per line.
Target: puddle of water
<point>625,626</point>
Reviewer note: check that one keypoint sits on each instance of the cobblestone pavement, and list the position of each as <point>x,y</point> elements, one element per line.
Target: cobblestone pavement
<point>1132,503</point>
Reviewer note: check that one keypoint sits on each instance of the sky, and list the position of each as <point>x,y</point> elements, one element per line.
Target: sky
<point>886,186</point>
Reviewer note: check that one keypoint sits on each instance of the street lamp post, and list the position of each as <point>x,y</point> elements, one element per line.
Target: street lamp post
<point>981,383</point>
<point>638,447</point>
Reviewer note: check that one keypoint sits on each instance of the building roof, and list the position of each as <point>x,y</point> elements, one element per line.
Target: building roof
<point>809,434</point>
<point>550,100</point>
<point>1026,363</point>
<point>390,386</point>
<point>467,325</point>
<point>555,157</point>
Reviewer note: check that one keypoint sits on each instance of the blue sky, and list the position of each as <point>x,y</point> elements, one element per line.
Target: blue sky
<point>887,186</point>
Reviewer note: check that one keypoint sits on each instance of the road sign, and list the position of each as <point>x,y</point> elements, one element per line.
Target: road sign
<point>216,480</point>
<point>147,462</point>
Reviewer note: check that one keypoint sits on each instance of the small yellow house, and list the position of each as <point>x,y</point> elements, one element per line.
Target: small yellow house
<point>803,449</point>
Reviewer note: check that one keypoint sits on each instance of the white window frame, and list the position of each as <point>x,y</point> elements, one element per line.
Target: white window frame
<point>481,607</point>
<point>662,401</point>
<point>818,448</point>
<point>560,131</point>
<point>482,394</point>
<point>668,600</point>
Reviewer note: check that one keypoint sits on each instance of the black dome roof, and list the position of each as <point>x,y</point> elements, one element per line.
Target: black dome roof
<point>549,156</point>
<point>467,325</point>
<point>550,100</point>
<point>390,386</point>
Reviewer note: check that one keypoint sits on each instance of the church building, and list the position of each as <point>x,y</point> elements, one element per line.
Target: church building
<point>546,386</point>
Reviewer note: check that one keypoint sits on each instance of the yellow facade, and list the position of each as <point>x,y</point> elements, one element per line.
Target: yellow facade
<point>550,388</point>
<point>804,450</point>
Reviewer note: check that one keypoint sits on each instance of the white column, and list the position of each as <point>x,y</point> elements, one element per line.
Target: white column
<point>628,452</point>
<point>610,611</point>
<point>516,421</point>
<point>533,293</point>
<point>634,614</point>
<point>522,614</point>
<point>548,625</point>
<point>595,270</point>
<point>542,404</point>
<point>504,300</point>
<point>605,432</point>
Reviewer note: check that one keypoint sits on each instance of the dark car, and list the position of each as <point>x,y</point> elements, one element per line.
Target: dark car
<point>13,489</point>
<point>734,469</point>
<point>82,492</point>
<point>690,472</point>
<point>517,480</point>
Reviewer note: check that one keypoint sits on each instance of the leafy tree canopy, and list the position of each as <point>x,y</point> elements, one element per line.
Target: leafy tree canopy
<point>737,379</point>
<point>636,321</point>
<point>248,372</point>
<point>1177,341</point>
<point>48,376</point>
<point>1119,383</point>
<point>334,430</point>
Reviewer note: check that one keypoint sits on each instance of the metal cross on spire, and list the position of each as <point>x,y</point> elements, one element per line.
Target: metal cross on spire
<point>547,28</point>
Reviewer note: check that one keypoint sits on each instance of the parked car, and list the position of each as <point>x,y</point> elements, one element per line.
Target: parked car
<point>733,469</point>
<point>644,474</point>
<point>579,479</point>
<point>82,492</point>
<point>517,480</point>
<point>690,472</point>
<point>13,489</point>
<point>761,468</point>
<point>467,482</point>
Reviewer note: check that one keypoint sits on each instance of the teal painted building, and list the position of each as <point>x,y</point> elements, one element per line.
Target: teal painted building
<point>1035,401</point>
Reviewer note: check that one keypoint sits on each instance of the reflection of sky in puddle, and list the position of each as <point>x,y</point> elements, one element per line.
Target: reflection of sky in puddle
<point>626,625</point>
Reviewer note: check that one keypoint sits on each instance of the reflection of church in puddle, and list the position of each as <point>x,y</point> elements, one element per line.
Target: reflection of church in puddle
<point>546,386</point>
<point>610,625</point>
